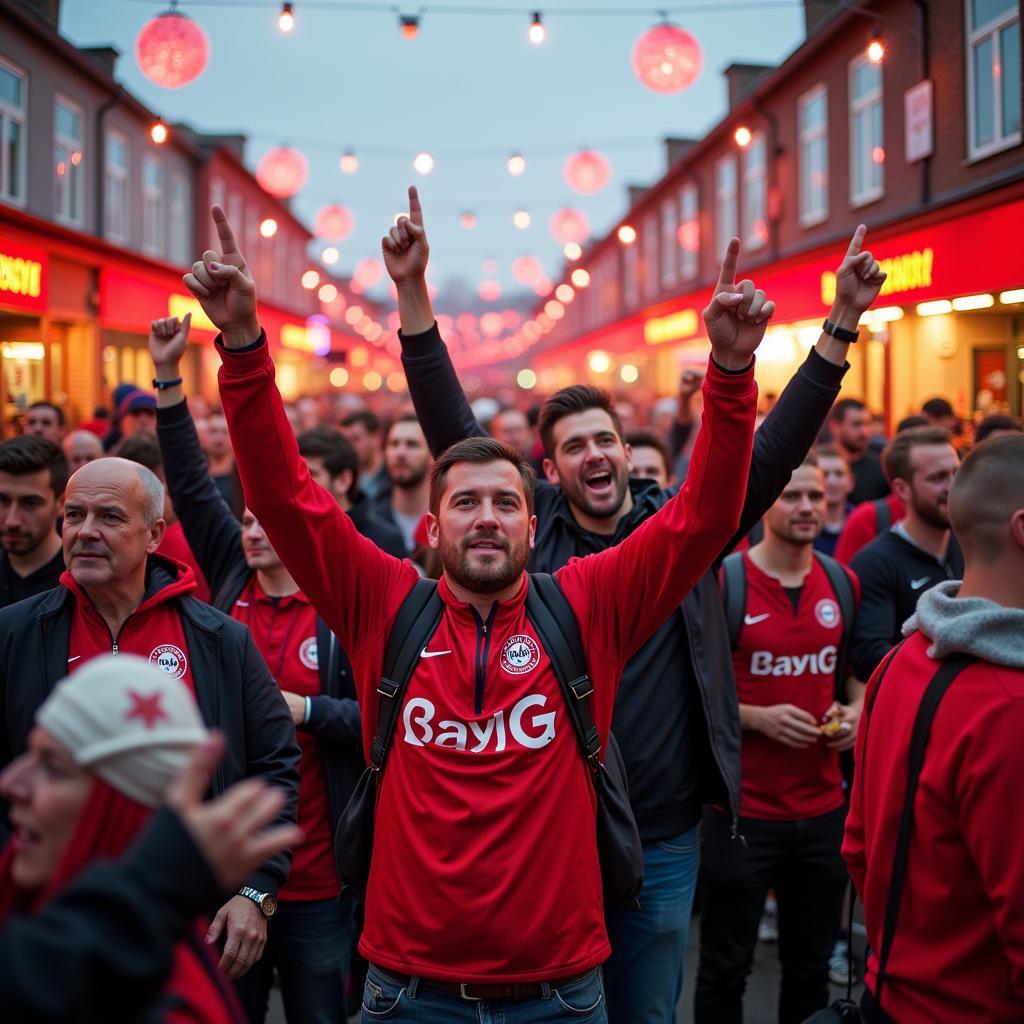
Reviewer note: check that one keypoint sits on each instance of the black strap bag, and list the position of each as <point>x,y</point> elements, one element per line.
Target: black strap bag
<point>618,839</point>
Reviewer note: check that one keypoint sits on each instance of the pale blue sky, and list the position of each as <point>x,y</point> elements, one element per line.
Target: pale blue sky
<point>348,79</point>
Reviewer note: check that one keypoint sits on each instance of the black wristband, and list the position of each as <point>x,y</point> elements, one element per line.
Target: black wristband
<point>163,385</point>
<point>839,333</point>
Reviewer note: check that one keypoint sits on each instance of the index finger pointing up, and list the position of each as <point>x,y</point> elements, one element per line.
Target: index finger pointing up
<point>415,210</point>
<point>857,241</point>
<point>727,275</point>
<point>229,247</point>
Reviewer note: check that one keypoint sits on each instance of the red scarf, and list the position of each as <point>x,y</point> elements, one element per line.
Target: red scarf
<point>196,992</point>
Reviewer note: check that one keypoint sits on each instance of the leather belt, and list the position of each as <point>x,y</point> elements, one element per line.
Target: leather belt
<point>477,992</point>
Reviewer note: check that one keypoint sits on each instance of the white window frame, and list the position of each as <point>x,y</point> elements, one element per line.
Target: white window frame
<point>116,180</point>
<point>726,204</point>
<point>649,240</point>
<point>630,274</point>
<point>179,209</point>
<point>862,106</point>
<point>689,213</point>
<point>809,138</point>
<point>989,31</point>
<point>154,210</point>
<point>19,116</point>
<point>669,220</point>
<point>74,188</point>
<point>755,192</point>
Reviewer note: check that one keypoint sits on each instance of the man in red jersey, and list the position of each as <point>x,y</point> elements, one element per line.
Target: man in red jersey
<point>788,652</point>
<point>485,882</point>
<point>958,949</point>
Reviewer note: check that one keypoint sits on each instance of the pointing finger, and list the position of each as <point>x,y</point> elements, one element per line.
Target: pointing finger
<point>415,209</point>
<point>727,275</point>
<point>227,237</point>
<point>857,241</point>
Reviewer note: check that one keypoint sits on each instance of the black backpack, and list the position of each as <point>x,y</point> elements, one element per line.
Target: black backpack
<point>734,597</point>
<point>618,840</point>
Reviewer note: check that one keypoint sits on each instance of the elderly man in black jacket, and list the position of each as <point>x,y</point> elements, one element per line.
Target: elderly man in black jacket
<point>676,717</point>
<point>119,596</point>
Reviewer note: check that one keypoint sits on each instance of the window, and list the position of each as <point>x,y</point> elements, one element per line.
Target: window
<point>650,236</point>
<point>67,161</point>
<point>689,231</point>
<point>668,243</point>
<point>993,75</point>
<point>630,270</point>
<point>13,109</point>
<point>867,139</point>
<point>725,203</point>
<point>115,194</point>
<point>812,114</point>
<point>152,205</point>
<point>755,192</point>
<point>180,209</point>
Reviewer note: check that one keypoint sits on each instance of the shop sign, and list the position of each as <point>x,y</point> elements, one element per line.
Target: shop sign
<point>179,305</point>
<point>917,115</point>
<point>677,326</point>
<point>908,272</point>
<point>297,337</point>
<point>23,276</point>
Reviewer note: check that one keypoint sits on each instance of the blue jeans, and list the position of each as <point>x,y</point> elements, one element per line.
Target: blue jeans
<point>644,976</point>
<point>386,997</point>
<point>310,943</point>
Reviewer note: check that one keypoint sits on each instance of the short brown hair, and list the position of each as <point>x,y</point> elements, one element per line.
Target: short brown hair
<point>478,450</point>
<point>987,490</point>
<point>896,459</point>
<point>573,399</point>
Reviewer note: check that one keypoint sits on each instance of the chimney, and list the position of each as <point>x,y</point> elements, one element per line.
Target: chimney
<point>636,193</point>
<point>105,56</point>
<point>47,10</point>
<point>741,78</point>
<point>676,149</point>
<point>817,12</point>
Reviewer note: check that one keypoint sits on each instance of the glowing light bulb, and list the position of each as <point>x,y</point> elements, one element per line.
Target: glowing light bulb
<point>876,51</point>
<point>410,25</point>
<point>327,293</point>
<point>268,227</point>
<point>572,250</point>
<point>537,31</point>
<point>627,234</point>
<point>424,163</point>
<point>516,165</point>
<point>286,19</point>
<point>330,255</point>
<point>521,219</point>
<point>310,279</point>
<point>580,277</point>
<point>742,135</point>
<point>349,162</point>
<point>158,133</point>
<point>467,219</point>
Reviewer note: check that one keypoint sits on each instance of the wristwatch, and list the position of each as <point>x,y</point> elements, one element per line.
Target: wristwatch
<point>840,333</point>
<point>263,900</point>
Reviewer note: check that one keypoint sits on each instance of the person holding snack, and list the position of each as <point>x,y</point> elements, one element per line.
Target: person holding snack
<point>790,612</point>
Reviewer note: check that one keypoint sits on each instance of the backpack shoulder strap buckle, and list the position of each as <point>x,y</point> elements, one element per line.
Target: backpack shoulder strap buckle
<point>581,687</point>
<point>388,688</point>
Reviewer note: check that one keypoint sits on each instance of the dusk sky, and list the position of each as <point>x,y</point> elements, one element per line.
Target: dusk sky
<point>470,89</point>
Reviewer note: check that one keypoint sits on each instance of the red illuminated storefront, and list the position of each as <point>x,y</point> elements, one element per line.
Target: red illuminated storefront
<point>950,320</point>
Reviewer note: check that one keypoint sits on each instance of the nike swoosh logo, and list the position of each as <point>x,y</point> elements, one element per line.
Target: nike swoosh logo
<point>75,658</point>
<point>753,620</point>
<point>918,584</point>
<point>432,654</point>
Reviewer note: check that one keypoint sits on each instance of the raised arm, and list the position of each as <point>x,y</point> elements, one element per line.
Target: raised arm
<point>211,529</point>
<point>792,427</point>
<point>437,396</point>
<point>624,593</point>
<point>354,585</point>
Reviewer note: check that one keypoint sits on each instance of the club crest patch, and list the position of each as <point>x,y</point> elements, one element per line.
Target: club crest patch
<point>308,653</point>
<point>169,659</point>
<point>520,654</point>
<point>826,611</point>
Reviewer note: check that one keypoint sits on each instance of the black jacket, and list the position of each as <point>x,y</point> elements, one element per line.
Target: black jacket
<point>383,531</point>
<point>234,690</point>
<point>102,949</point>
<point>893,573</point>
<point>673,761</point>
<point>14,588</point>
<point>215,537</point>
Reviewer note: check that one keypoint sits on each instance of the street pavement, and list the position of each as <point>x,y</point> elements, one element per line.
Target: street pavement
<point>760,1006</point>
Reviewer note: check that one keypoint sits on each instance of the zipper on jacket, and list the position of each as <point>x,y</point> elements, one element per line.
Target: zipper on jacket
<point>483,646</point>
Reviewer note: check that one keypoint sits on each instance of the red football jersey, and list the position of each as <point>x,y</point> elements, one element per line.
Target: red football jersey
<point>784,656</point>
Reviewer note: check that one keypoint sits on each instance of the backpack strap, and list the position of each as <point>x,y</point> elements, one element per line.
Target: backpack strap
<point>734,594</point>
<point>553,618</point>
<point>933,695</point>
<point>414,625</point>
<point>842,587</point>
<point>883,515</point>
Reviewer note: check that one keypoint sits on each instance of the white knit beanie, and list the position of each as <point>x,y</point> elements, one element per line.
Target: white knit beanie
<point>127,721</point>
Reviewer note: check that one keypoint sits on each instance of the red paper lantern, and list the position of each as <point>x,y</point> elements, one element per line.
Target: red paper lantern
<point>667,59</point>
<point>334,223</point>
<point>282,172</point>
<point>569,225</point>
<point>527,269</point>
<point>587,171</point>
<point>368,273</point>
<point>172,50</point>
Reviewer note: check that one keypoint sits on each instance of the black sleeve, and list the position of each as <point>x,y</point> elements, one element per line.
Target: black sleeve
<point>436,394</point>
<point>271,753</point>
<point>786,436</point>
<point>678,435</point>
<point>104,947</point>
<point>335,719</point>
<point>878,619</point>
<point>210,527</point>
